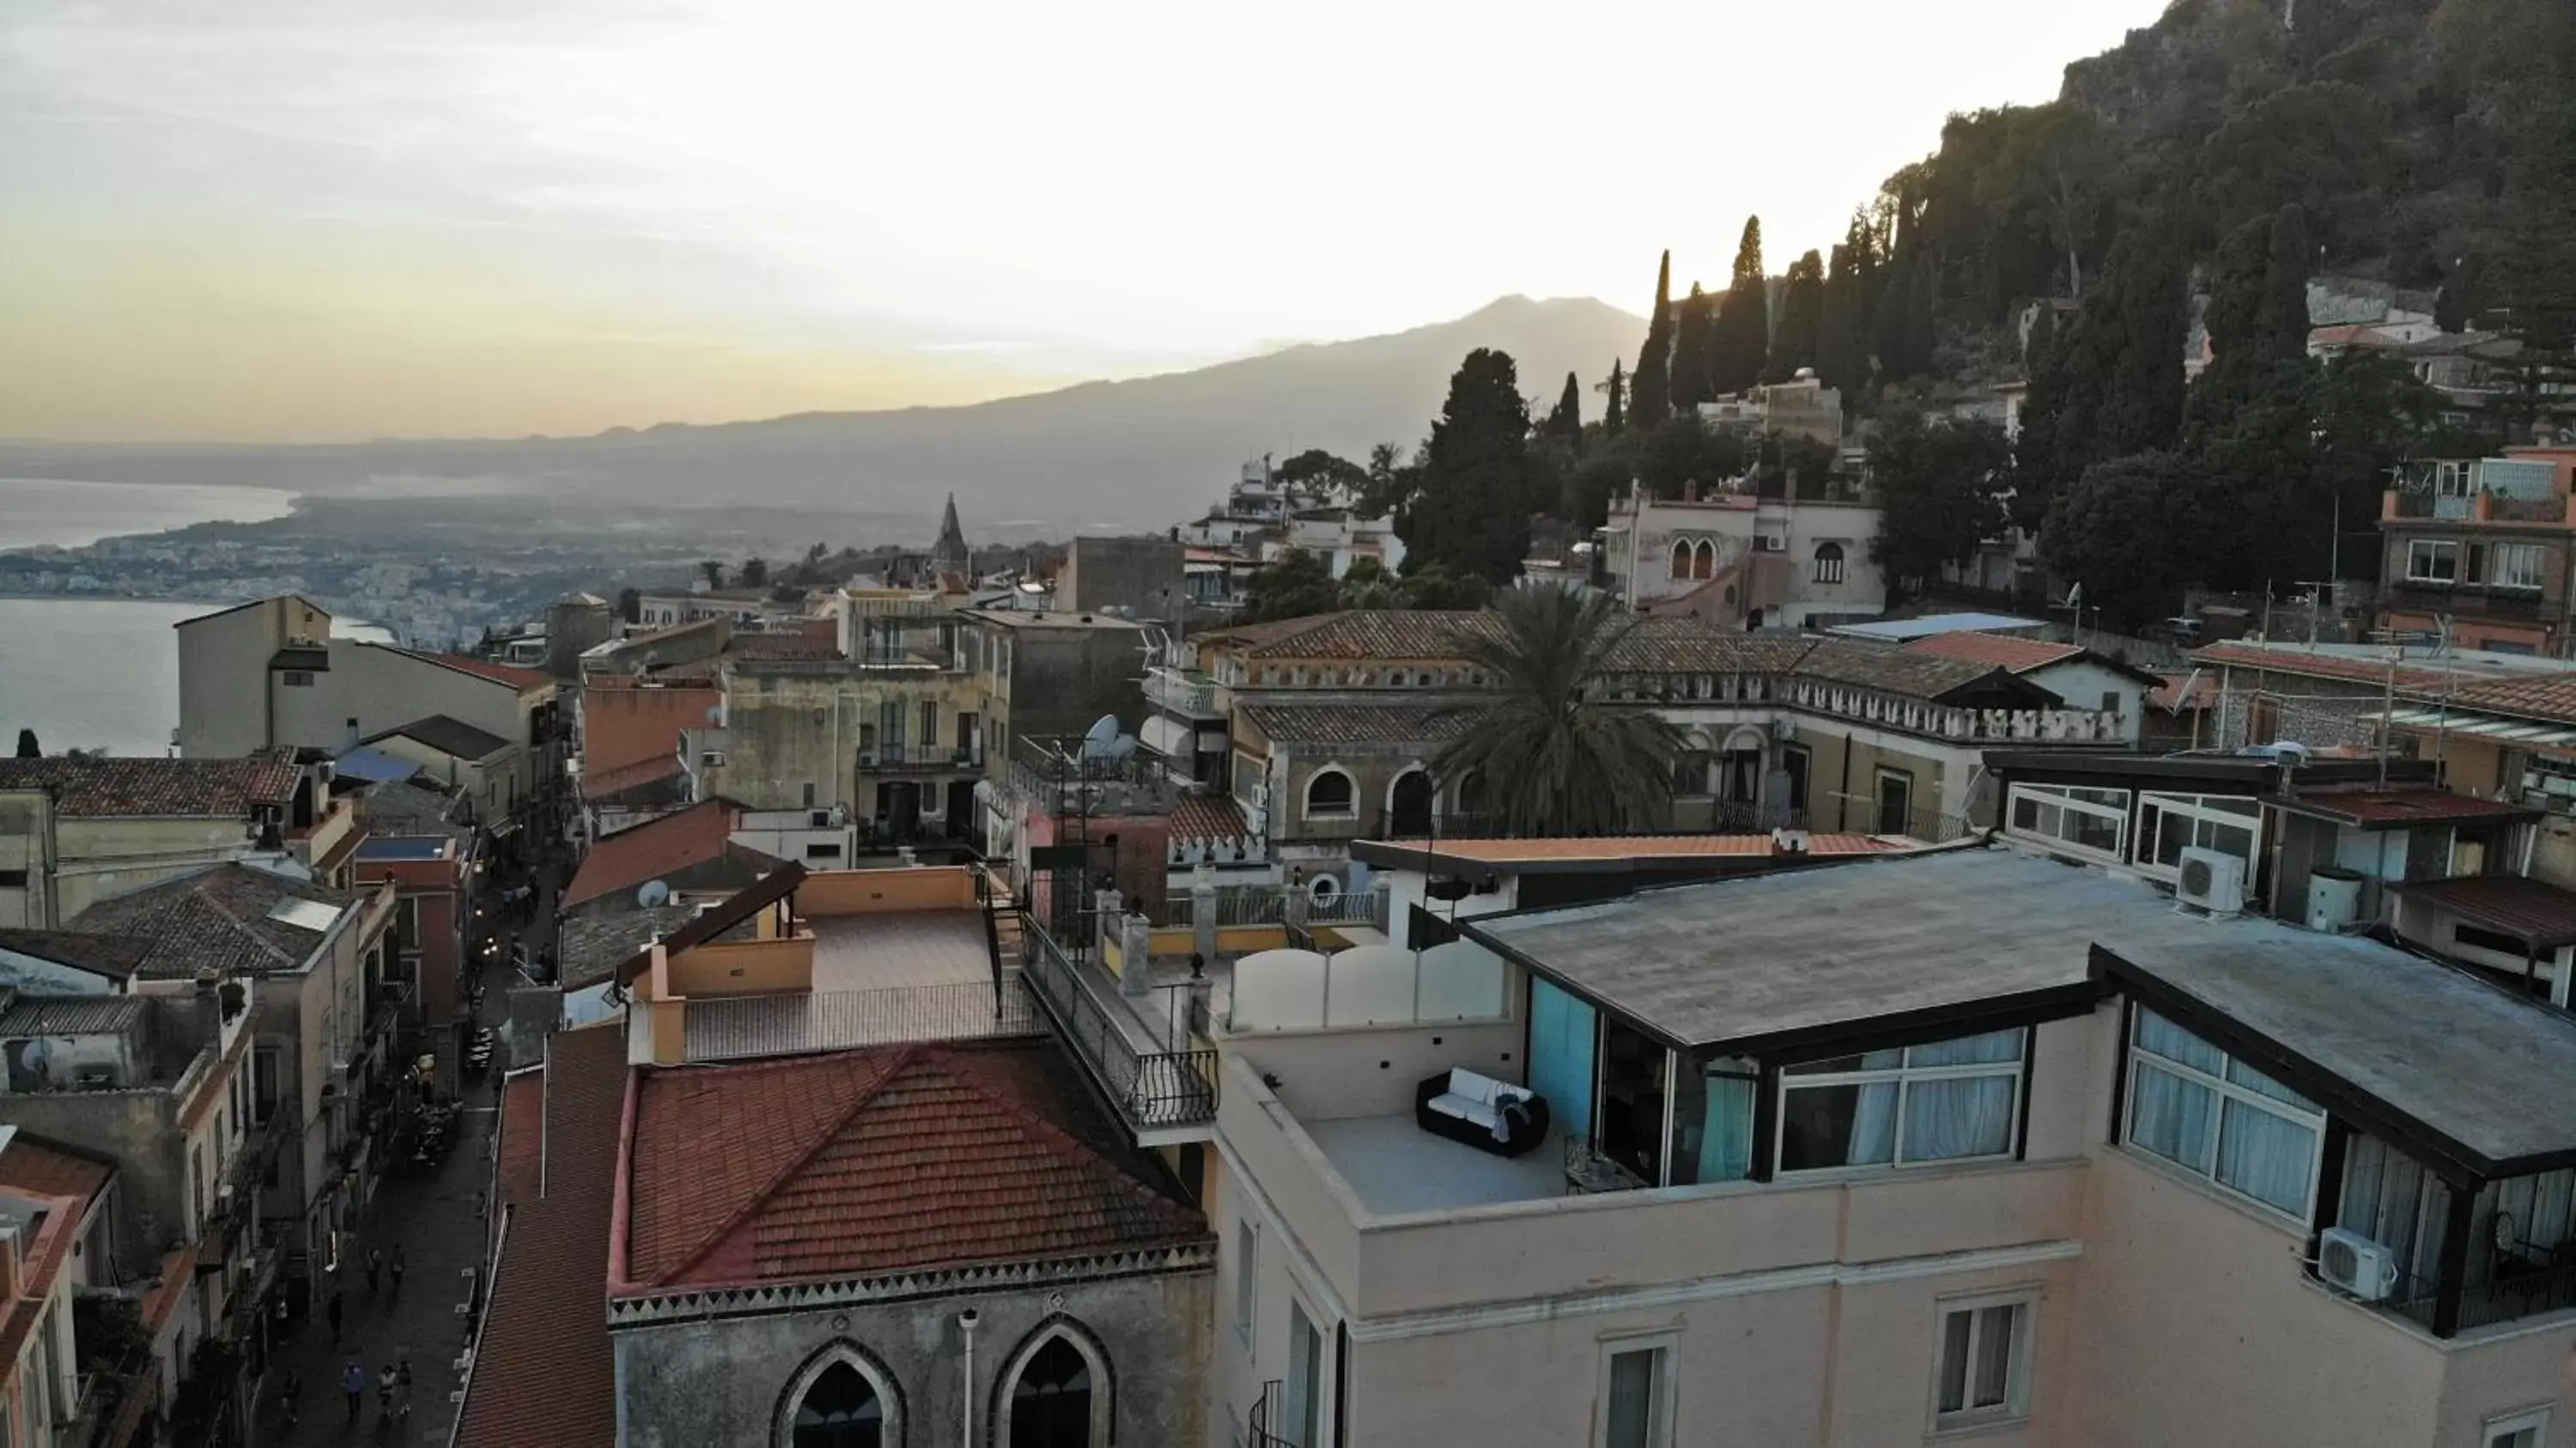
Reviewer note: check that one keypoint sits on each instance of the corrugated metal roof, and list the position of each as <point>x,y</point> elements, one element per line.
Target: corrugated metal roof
<point>70,1015</point>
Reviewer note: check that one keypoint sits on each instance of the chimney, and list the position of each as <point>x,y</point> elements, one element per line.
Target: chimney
<point>1690,490</point>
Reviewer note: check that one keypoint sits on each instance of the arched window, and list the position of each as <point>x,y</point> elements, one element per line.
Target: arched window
<point>1829,563</point>
<point>840,1398</point>
<point>1471,793</point>
<point>1329,793</point>
<point>1681,558</point>
<point>1408,804</point>
<point>1051,1403</point>
<point>1704,562</point>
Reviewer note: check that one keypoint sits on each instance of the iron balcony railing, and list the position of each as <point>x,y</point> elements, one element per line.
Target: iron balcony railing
<point>1265,1422</point>
<point>2527,1283</point>
<point>1153,1089</point>
<point>1190,694</point>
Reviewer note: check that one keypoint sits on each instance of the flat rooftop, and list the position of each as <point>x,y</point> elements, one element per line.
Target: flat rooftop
<point>1397,1167</point>
<point>904,948</point>
<point>921,975</point>
<point>2445,1051</point>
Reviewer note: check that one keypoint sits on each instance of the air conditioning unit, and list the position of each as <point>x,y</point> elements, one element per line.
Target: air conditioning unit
<point>2212,880</point>
<point>2351,1262</point>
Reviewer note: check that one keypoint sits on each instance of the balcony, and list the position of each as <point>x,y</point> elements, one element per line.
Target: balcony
<point>1159,1084</point>
<point>1187,693</point>
<point>2465,600</point>
<point>922,758</point>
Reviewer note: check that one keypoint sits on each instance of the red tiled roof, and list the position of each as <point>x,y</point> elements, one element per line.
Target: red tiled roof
<point>874,1161</point>
<point>2535,912</point>
<point>88,788</point>
<point>510,674</point>
<point>2171,696</point>
<point>34,1166</point>
<point>1202,817</point>
<point>2315,665</point>
<point>653,850</point>
<point>2548,696</point>
<point>2387,808</point>
<point>543,1373</point>
<point>2001,650</point>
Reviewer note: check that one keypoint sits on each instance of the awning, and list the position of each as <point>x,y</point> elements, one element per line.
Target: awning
<point>2539,914</point>
<point>2482,726</point>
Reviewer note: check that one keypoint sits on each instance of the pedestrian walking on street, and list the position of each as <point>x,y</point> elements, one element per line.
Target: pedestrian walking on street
<point>353,1386</point>
<point>331,1310</point>
<point>402,1391</point>
<point>396,1268</point>
<point>375,1268</point>
<point>385,1392</point>
<point>290,1397</point>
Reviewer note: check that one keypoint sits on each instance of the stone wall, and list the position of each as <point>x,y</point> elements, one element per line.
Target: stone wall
<point>728,1380</point>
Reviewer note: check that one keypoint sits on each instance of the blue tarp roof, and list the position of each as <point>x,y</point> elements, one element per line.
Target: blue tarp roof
<point>373,765</point>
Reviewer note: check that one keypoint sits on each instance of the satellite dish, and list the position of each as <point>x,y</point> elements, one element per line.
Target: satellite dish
<point>1102,731</point>
<point>653,893</point>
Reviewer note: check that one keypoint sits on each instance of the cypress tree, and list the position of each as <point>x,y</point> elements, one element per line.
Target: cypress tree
<point>1802,312</point>
<point>1615,414</point>
<point>1649,390</point>
<point>1567,420</point>
<point>1472,515</point>
<point>1694,341</point>
<point>1743,336</point>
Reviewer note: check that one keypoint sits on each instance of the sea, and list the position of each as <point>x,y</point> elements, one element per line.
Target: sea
<point>101,673</point>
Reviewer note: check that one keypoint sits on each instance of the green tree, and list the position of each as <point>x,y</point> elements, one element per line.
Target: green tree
<point>630,604</point>
<point>1298,585</point>
<point>1802,314</point>
<point>754,573</point>
<point>1435,587</point>
<point>1742,341</point>
<point>28,748</point>
<point>1694,350</point>
<point>2123,533</point>
<point>713,569</point>
<point>1614,413</point>
<point>1566,421</point>
<point>1471,512</point>
<point>2119,379</point>
<point>1851,291</point>
<point>2037,473</point>
<point>1650,386</point>
<point>1939,488</point>
<point>1316,470</point>
<point>1556,755</point>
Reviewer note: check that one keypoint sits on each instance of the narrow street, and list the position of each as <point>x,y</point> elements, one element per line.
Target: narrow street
<point>435,1219</point>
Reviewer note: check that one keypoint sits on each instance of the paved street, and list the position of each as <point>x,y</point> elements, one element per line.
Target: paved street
<point>434,1219</point>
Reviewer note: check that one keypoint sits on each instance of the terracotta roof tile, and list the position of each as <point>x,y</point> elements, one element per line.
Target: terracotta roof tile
<point>612,782</point>
<point>2551,697</point>
<point>115,956</point>
<point>1363,634</point>
<point>1206,817</point>
<point>2003,651</point>
<point>660,848</point>
<point>543,1373</point>
<point>510,674</point>
<point>155,788</point>
<point>1893,670</point>
<point>883,1160</point>
<point>1689,645</point>
<point>1360,723</point>
<point>2315,665</point>
<point>35,1166</point>
<point>218,919</point>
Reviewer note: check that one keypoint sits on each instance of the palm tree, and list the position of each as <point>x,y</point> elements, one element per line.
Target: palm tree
<point>1557,758</point>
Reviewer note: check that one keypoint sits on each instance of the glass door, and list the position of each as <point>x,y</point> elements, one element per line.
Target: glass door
<point>1564,1032</point>
<point>1304,1389</point>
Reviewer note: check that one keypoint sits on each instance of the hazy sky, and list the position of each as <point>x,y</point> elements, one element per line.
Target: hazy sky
<point>307,219</point>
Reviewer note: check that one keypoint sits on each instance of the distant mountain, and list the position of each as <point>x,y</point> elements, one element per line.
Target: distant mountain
<point>1138,454</point>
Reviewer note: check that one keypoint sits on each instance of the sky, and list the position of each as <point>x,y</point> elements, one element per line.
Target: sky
<point>311,220</point>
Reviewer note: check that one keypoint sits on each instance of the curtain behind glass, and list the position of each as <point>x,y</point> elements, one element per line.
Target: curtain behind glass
<point>1726,1132</point>
<point>1873,1138</point>
<point>1988,1049</point>
<point>2267,1157</point>
<point>1971,1116</point>
<point>2171,1117</point>
<point>2172,1042</point>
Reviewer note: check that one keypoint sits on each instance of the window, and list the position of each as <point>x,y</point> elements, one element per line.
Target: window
<point>1944,1101</point>
<point>1681,558</point>
<point>13,879</point>
<point>1636,1394</point>
<point>1829,563</point>
<point>1058,1395</point>
<point>298,678</point>
<point>2519,565</point>
<point>823,852</point>
<point>2216,1117</point>
<point>2518,1430</point>
<point>1895,802</point>
<point>1329,793</point>
<point>2432,560</point>
<point>1983,1375</point>
<point>1247,1277</point>
<point>2077,820</point>
<point>840,1399</point>
<point>1690,772</point>
<point>1704,560</point>
<point>809,794</point>
<point>2170,823</point>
